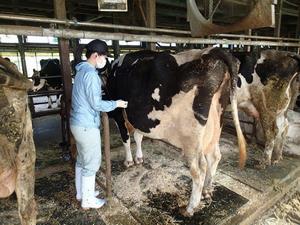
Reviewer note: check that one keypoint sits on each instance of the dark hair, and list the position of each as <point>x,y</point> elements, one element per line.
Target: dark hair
<point>96,46</point>
<point>88,54</point>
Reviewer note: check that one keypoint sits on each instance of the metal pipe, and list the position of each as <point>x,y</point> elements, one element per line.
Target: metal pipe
<point>69,33</point>
<point>136,28</point>
<point>89,24</point>
<point>254,37</point>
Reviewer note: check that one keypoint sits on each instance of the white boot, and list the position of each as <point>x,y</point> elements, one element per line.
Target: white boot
<point>78,182</point>
<point>88,198</point>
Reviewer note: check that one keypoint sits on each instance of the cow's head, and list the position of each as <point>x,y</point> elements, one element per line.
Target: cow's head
<point>36,77</point>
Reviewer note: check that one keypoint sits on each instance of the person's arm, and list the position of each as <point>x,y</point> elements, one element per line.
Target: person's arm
<point>93,92</point>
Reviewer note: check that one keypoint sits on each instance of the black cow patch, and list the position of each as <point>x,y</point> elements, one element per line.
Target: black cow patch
<point>207,73</point>
<point>247,61</point>
<point>276,63</point>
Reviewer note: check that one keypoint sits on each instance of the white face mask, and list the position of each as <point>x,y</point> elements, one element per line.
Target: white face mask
<point>101,63</point>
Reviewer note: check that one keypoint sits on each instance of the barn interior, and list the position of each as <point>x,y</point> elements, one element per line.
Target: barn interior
<point>151,193</point>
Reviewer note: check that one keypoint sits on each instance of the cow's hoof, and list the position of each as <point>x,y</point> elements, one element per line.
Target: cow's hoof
<point>276,160</point>
<point>207,194</point>
<point>49,107</point>
<point>183,211</point>
<point>138,160</point>
<point>128,164</point>
<point>261,166</point>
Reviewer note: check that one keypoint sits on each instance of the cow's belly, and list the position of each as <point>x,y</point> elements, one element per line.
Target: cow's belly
<point>178,125</point>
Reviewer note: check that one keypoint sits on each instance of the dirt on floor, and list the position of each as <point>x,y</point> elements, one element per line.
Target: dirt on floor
<point>285,212</point>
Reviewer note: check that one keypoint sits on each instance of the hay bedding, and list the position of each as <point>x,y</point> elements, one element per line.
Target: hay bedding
<point>155,191</point>
<point>287,211</point>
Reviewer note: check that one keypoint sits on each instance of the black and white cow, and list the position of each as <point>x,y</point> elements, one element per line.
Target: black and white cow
<point>264,92</point>
<point>180,99</point>
<point>50,69</point>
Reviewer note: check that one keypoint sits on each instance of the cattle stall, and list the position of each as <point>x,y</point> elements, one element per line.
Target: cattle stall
<point>155,191</point>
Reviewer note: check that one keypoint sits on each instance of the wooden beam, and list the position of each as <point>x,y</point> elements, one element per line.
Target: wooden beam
<point>151,19</point>
<point>63,46</point>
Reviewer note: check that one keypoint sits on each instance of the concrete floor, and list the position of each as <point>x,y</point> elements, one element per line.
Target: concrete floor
<point>153,192</point>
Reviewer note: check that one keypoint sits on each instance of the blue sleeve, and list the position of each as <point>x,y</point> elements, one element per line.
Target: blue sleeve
<point>93,93</point>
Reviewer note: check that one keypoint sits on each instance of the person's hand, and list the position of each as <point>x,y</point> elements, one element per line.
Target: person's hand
<point>121,104</point>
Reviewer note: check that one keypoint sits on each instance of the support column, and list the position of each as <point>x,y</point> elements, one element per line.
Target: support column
<point>21,40</point>
<point>151,19</point>
<point>116,48</point>
<point>278,19</point>
<point>63,45</point>
<point>298,24</point>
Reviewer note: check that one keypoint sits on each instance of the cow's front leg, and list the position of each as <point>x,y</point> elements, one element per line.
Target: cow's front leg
<point>139,153</point>
<point>128,160</point>
<point>198,168</point>
<point>280,140</point>
<point>213,158</point>
<point>117,116</point>
<point>26,177</point>
<point>49,102</point>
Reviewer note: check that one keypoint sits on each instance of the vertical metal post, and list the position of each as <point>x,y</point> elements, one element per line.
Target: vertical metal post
<point>116,48</point>
<point>278,19</point>
<point>105,123</point>
<point>63,45</point>
<point>22,54</point>
<point>151,19</point>
<point>298,24</point>
<point>210,9</point>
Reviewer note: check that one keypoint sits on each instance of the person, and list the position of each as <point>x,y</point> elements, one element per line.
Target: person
<point>87,104</point>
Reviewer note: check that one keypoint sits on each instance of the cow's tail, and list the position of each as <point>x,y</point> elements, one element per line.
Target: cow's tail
<point>128,125</point>
<point>233,67</point>
<point>241,138</point>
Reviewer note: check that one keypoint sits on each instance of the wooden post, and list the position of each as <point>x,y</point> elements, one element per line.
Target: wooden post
<point>22,54</point>
<point>63,45</point>
<point>151,19</point>
<point>107,157</point>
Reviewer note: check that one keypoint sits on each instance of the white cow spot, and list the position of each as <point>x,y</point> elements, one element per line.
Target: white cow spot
<point>260,60</point>
<point>155,94</point>
<point>135,62</point>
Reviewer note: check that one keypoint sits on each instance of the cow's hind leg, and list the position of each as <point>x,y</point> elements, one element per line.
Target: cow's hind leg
<point>280,139</point>
<point>139,153</point>
<point>198,168</point>
<point>270,131</point>
<point>212,158</point>
<point>26,177</point>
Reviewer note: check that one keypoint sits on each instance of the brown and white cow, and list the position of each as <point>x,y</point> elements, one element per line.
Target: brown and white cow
<point>264,92</point>
<point>180,99</point>
<point>17,150</point>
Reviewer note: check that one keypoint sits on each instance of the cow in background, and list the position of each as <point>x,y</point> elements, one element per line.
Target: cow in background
<point>17,150</point>
<point>180,99</point>
<point>264,92</point>
<point>50,68</point>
